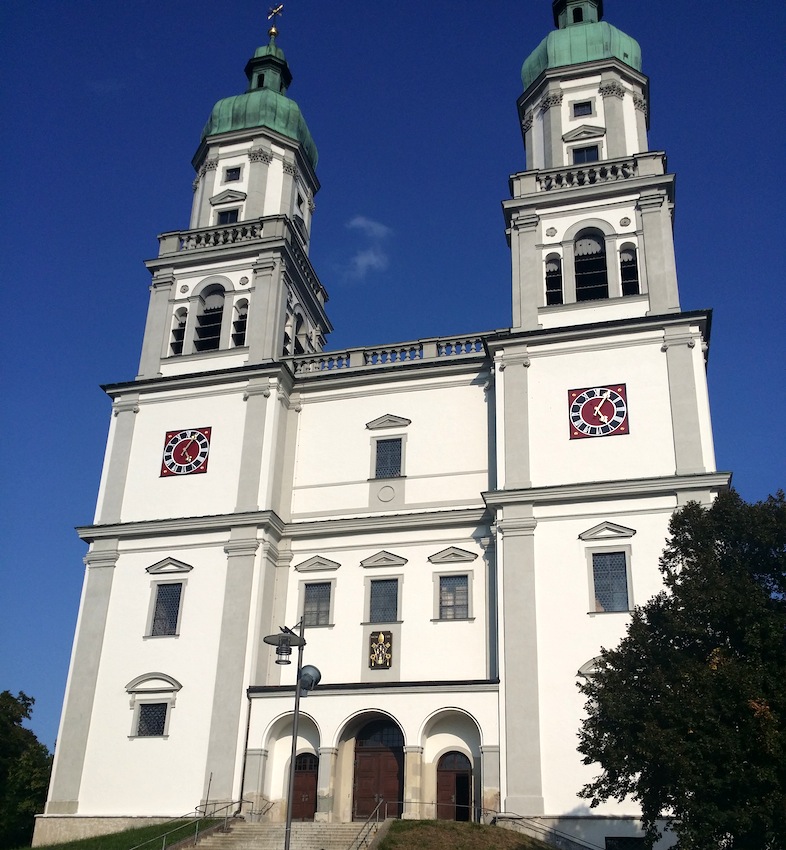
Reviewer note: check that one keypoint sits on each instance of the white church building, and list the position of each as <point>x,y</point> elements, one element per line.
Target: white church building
<point>460,523</point>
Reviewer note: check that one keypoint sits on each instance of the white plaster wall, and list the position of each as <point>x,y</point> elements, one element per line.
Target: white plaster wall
<point>155,775</point>
<point>148,495</point>
<point>589,312</point>
<point>446,448</point>
<point>647,450</point>
<point>703,402</point>
<point>275,185</point>
<point>569,636</point>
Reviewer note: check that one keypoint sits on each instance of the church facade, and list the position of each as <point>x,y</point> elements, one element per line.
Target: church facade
<point>459,523</point>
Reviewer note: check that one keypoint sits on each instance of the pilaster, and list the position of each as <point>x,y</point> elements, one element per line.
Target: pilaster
<point>526,270</point>
<point>230,664</point>
<point>254,776</point>
<point>613,92</point>
<point>156,336</point>
<point>100,562</point>
<point>259,159</point>
<point>516,420</point>
<point>124,411</point>
<point>326,784</point>
<point>551,110</point>
<point>521,710</point>
<point>678,345</point>
<point>657,251</point>
<point>255,396</point>
<point>489,777</point>
<point>413,782</point>
<point>492,611</point>
<point>266,311</point>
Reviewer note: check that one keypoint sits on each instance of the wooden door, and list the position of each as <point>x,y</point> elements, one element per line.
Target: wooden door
<point>379,770</point>
<point>454,787</point>
<point>304,799</point>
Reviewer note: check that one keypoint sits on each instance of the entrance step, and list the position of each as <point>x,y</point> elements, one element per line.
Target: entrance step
<point>305,836</point>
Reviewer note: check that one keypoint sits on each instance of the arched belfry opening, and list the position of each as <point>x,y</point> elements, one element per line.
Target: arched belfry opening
<point>592,280</point>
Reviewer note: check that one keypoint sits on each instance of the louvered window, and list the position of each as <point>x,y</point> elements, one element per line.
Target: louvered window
<point>239,324</point>
<point>178,331</point>
<point>591,274</point>
<point>553,279</point>
<point>209,320</point>
<point>629,270</point>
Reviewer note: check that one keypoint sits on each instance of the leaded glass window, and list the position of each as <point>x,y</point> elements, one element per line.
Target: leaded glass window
<point>388,458</point>
<point>383,607</point>
<point>610,576</point>
<point>453,597</point>
<point>152,719</point>
<point>167,609</point>
<point>316,604</point>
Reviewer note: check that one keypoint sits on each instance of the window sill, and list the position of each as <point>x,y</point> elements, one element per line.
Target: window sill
<point>318,625</point>
<point>148,737</point>
<point>388,478</point>
<point>159,637</point>
<point>453,620</point>
<point>602,613</point>
<point>382,623</point>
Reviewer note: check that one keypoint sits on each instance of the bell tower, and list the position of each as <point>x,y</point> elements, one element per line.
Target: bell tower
<point>237,288</point>
<point>590,221</point>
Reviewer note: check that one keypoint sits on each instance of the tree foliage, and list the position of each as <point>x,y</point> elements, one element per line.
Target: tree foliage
<point>688,714</point>
<point>25,765</point>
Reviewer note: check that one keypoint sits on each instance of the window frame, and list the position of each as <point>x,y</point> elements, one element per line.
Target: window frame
<point>331,605</point>
<point>580,148</point>
<point>368,582</point>
<point>161,690</point>
<point>151,612</point>
<point>437,591</point>
<point>590,102</point>
<point>402,439</point>
<point>626,551</point>
<point>229,211</point>
<point>232,168</point>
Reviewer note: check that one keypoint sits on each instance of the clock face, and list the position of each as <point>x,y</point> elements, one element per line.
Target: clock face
<point>185,452</point>
<point>598,412</point>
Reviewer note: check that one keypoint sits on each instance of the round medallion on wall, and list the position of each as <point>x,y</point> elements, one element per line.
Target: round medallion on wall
<point>598,412</point>
<point>185,452</point>
<point>184,288</point>
<point>625,222</point>
<point>386,493</point>
<point>552,231</point>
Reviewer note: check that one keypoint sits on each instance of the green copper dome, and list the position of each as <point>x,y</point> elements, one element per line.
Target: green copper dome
<point>265,104</point>
<point>584,40</point>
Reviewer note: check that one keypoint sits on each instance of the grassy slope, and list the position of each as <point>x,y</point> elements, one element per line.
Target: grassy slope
<point>447,835</point>
<point>130,838</point>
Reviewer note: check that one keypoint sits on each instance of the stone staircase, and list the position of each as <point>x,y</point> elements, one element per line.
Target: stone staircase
<point>305,836</point>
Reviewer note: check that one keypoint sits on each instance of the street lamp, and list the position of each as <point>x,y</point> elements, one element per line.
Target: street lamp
<point>307,679</point>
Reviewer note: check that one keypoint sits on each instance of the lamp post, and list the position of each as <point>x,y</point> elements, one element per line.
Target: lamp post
<point>307,679</point>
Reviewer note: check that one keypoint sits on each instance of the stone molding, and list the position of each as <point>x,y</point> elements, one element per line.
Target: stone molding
<point>607,531</point>
<point>612,89</point>
<point>529,120</point>
<point>317,563</point>
<point>452,555</point>
<point>550,100</point>
<point>640,103</point>
<point>260,155</point>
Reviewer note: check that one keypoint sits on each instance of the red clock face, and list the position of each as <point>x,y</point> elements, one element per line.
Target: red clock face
<point>185,452</point>
<point>598,412</point>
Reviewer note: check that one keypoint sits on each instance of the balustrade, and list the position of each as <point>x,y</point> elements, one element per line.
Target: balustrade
<point>587,175</point>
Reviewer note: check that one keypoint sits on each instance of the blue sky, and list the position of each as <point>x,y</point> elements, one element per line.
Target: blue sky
<point>413,109</point>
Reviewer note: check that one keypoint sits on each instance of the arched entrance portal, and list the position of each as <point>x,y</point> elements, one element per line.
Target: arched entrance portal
<point>304,800</point>
<point>454,787</point>
<point>379,769</point>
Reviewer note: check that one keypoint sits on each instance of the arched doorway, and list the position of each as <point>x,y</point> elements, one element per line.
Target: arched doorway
<point>304,799</point>
<point>454,787</point>
<point>379,769</point>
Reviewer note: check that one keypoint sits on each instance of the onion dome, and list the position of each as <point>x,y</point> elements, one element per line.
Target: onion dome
<point>265,103</point>
<point>582,37</point>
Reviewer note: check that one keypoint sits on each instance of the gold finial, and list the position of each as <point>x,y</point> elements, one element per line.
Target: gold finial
<point>274,13</point>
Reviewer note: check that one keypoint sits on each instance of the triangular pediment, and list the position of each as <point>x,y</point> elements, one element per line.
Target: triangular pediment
<point>169,566</point>
<point>452,555</point>
<point>384,559</point>
<point>590,668</point>
<point>586,131</point>
<point>607,531</point>
<point>388,421</point>
<point>228,196</point>
<point>317,563</point>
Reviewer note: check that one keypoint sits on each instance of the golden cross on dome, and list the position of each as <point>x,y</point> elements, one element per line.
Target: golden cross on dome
<point>276,12</point>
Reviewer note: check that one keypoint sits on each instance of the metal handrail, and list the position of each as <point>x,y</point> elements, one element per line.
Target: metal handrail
<point>542,829</point>
<point>360,838</point>
<point>198,816</point>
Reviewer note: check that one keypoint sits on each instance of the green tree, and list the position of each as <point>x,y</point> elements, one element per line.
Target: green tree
<point>25,765</point>
<point>687,714</point>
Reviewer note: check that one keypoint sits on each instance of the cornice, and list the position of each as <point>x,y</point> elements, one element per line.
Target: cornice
<point>595,491</point>
<point>361,688</point>
<point>275,370</point>
<point>271,522</point>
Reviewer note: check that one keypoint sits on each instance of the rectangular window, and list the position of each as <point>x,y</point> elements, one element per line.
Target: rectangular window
<point>610,581</point>
<point>232,174</point>
<point>388,463</point>
<point>582,108</point>
<point>316,604</point>
<point>167,609</point>
<point>383,604</point>
<point>228,216</point>
<point>584,155</point>
<point>151,722</point>
<point>453,598</point>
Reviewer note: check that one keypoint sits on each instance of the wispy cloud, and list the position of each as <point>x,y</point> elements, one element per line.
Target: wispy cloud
<point>373,256</point>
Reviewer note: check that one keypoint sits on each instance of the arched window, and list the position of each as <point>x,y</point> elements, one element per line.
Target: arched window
<point>208,321</point>
<point>592,280</point>
<point>178,330</point>
<point>553,279</point>
<point>300,335</point>
<point>629,269</point>
<point>239,324</point>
